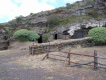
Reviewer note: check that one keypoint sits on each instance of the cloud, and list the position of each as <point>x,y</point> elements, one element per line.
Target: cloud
<point>13,8</point>
<point>33,6</point>
<point>9,9</point>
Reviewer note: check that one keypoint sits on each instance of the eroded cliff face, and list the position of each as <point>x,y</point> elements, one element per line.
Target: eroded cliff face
<point>86,24</point>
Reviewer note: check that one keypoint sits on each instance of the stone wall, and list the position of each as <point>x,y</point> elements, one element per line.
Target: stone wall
<point>82,43</point>
<point>42,48</point>
<point>4,45</point>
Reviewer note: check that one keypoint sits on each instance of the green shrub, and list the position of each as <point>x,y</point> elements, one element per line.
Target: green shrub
<point>45,36</point>
<point>23,39</point>
<point>21,32</point>
<point>90,2</point>
<point>53,21</point>
<point>92,13</point>
<point>98,35</point>
<point>32,36</point>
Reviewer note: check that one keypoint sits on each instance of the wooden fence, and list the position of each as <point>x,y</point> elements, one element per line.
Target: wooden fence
<point>96,63</point>
<point>43,49</point>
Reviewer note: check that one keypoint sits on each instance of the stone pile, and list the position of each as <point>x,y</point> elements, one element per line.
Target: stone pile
<point>3,40</point>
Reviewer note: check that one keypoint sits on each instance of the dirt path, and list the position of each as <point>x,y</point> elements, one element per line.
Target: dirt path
<point>17,64</point>
<point>12,69</point>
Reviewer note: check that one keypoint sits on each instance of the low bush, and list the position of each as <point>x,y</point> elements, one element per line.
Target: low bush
<point>98,35</point>
<point>46,36</point>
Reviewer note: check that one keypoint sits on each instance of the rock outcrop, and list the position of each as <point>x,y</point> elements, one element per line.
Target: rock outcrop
<point>3,40</point>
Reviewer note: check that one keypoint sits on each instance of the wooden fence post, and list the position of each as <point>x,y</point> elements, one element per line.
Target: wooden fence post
<point>95,60</point>
<point>47,54</point>
<point>68,58</point>
<point>48,51</point>
<point>32,50</point>
<point>60,46</point>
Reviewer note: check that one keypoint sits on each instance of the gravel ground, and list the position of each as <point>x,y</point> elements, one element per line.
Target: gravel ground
<point>17,64</point>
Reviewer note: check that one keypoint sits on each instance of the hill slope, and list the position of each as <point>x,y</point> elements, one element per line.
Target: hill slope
<point>81,14</point>
<point>87,10</point>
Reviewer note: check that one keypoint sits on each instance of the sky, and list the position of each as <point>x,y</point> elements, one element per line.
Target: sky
<point>10,9</point>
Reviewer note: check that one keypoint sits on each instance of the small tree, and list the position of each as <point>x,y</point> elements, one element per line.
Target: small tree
<point>25,35</point>
<point>98,35</point>
<point>32,36</point>
<point>21,33</point>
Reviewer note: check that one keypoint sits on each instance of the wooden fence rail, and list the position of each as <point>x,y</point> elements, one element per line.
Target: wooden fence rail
<point>96,63</point>
<point>101,67</point>
<point>82,64</point>
<point>101,57</point>
<point>102,64</point>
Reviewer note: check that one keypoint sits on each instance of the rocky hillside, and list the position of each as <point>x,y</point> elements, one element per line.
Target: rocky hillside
<point>85,13</point>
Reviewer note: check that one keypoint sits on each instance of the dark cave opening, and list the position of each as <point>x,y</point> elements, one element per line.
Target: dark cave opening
<point>56,36</point>
<point>40,39</point>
